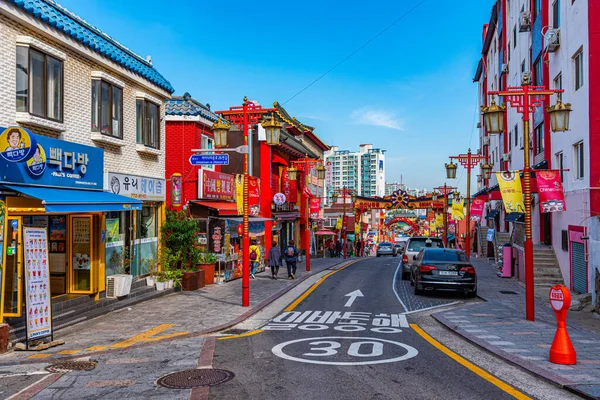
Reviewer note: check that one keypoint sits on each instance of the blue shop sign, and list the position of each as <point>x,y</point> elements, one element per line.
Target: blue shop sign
<point>49,162</point>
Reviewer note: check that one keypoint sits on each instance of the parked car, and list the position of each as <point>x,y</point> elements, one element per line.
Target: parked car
<point>413,246</point>
<point>399,246</point>
<point>386,249</point>
<point>443,269</point>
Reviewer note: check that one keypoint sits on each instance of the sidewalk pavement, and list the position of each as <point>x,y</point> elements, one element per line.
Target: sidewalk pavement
<point>499,326</point>
<point>179,315</point>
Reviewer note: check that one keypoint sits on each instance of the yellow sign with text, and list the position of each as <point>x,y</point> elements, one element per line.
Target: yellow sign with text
<point>510,188</point>
<point>458,209</point>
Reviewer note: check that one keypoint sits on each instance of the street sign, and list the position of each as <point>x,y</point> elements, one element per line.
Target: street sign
<point>209,159</point>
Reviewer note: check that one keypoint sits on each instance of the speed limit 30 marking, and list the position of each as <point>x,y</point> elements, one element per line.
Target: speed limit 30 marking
<point>328,349</point>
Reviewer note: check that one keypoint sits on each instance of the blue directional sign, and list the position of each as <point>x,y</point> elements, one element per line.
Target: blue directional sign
<point>209,159</point>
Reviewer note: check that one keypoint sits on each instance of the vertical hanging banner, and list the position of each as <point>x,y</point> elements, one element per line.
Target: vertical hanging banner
<point>550,191</point>
<point>477,209</point>
<point>315,207</point>
<point>176,190</point>
<point>239,193</point>
<point>254,195</point>
<point>458,209</point>
<point>37,283</point>
<point>439,220</point>
<point>510,188</point>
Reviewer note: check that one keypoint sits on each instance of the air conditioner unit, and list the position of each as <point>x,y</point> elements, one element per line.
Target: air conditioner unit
<point>505,68</point>
<point>479,125</point>
<point>525,21</point>
<point>552,40</point>
<point>506,157</point>
<point>486,141</point>
<point>118,285</point>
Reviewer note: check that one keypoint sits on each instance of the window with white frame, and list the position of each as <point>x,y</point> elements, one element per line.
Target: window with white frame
<point>207,143</point>
<point>539,139</point>
<point>557,83</point>
<point>148,123</point>
<point>516,135</point>
<point>107,108</point>
<point>578,69</point>
<point>556,14</point>
<point>39,89</point>
<point>560,164</point>
<point>578,161</point>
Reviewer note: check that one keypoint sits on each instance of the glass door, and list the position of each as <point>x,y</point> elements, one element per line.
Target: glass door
<point>13,287</point>
<point>82,254</point>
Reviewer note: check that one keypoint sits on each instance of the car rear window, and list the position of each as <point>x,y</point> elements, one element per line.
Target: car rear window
<point>418,244</point>
<point>444,256</point>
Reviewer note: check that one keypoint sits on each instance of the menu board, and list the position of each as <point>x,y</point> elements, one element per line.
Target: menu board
<point>81,230</point>
<point>37,283</point>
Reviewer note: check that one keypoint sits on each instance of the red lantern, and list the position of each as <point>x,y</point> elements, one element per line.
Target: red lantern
<point>240,229</point>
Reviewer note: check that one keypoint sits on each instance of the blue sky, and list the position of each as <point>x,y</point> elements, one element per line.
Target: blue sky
<point>410,91</point>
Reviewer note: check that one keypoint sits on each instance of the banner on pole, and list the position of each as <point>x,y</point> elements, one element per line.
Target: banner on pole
<point>315,207</point>
<point>458,209</point>
<point>550,191</point>
<point>510,188</point>
<point>477,209</point>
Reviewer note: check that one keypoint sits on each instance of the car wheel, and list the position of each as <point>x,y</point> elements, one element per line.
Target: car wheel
<point>472,294</point>
<point>418,292</point>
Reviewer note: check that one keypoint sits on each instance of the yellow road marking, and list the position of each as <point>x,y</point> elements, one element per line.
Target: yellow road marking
<point>40,356</point>
<point>97,348</point>
<point>469,365</point>
<point>69,352</point>
<point>254,332</point>
<point>314,286</point>
<point>170,335</point>
<point>144,336</point>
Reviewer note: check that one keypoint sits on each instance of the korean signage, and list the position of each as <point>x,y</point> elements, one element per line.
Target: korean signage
<point>44,161</point>
<point>372,204</point>
<point>215,185</point>
<point>509,183</point>
<point>550,191</point>
<point>37,283</point>
<point>136,187</point>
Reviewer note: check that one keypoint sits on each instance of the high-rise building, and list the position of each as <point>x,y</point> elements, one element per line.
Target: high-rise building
<point>391,187</point>
<point>362,171</point>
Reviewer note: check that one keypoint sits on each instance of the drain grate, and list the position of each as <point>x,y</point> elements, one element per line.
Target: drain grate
<point>68,366</point>
<point>507,292</point>
<point>192,378</point>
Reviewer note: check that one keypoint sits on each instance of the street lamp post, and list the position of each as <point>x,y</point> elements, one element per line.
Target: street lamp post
<point>249,113</point>
<point>445,191</point>
<point>526,98</point>
<point>344,193</point>
<point>468,161</point>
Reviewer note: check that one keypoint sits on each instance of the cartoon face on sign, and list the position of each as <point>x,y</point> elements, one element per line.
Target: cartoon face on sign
<point>17,144</point>
<point>37,164</point>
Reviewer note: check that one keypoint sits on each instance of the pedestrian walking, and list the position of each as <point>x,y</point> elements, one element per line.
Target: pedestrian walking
<point>332,249</point>
<point>291,257</point>
<point>338,248</point>
<point>275,260</point>
<point>254,258</point>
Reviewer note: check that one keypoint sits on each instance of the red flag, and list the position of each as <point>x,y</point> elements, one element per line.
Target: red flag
<point>477,209</point>
<point>254,195</point>
<point>550,191</point>
<point>315,207</point>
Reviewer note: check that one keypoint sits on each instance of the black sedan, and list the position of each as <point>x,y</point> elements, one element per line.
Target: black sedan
<point>443,269</point>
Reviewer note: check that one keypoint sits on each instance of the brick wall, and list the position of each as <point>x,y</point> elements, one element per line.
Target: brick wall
<point>77,102</point>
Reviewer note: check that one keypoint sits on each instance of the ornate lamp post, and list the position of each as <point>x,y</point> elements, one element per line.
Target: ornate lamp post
<point>304,165</point>
<point>344,193</point>
<point>468,161</point>
<point>245,115</point>
<point>445,191</point>
<point>526,99</point>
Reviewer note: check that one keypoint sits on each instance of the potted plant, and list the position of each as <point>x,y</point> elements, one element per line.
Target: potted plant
<point>206,261</point>
<point>161,281</point>
<point>121,285</point>
<point>151,265</point>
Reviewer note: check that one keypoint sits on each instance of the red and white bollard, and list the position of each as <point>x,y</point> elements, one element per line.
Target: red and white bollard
<point>562,350</point>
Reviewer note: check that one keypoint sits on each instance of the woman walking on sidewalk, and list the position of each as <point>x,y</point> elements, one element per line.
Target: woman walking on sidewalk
<point>254,258</point>
<point>275,260</point>
<point>291,256</point>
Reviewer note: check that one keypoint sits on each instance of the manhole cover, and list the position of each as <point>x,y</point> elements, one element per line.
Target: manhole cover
<point>507,292</point>
<point>191,378</point>
<point>67,366</point>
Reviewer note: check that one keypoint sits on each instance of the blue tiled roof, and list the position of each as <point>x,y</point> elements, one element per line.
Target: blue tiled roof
<point>52,14</point>
<point>185,105</point>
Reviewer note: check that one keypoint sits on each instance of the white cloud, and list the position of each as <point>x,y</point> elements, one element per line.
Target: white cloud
<point>375,117</point>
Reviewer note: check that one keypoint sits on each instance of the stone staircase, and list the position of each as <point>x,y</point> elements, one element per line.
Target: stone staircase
<point>499,240</point>
<point>546,270</point>
<point>482,240</point>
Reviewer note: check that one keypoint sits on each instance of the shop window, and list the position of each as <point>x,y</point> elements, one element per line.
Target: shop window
<point>539,139</point>
<point>578,161</point>
<point>148,123</point>
<point>578,69</point>
<point>146,242</point>
<point>207,143</point>
<point>117,238</point>
<point>39,85</point>
<point>107,109</point>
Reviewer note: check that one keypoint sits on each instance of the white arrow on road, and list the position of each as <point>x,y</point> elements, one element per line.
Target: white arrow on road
<point>353,296</point>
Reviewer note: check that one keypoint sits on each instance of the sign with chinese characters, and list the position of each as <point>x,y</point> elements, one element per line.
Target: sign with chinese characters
<point>136,187</point>
<point>279,199</point>
<point>509,183</point>
<point>176,190</point>
<point>215,185</point>
<point>328,173</point>
<point>37,283</point>
<point>54,163</point>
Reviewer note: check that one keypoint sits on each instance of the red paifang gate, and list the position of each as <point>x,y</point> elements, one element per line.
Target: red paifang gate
<point>414,227</point>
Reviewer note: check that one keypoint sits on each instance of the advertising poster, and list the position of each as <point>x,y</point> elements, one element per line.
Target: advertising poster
<point>58,227</point>
<point>254,195</point>
<point>112,230</point>
<point>439,219</point>
<point>458,209</point>
<point>215,185</point>
<point>315,207</point>
<point>510,188</point>
<point>550,190</point>
<point>176,190</point>
<point>37,283</point>
<point>477,209</point>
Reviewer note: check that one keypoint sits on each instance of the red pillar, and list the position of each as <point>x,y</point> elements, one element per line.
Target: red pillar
<point>266,192</point>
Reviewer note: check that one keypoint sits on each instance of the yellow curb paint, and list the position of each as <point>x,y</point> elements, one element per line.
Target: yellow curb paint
<point>314,286</point>
<point>469,365</point>
<point>40,356</point>
<point>254,332</point>
<point>69,352</point>
<point>170,335</point>
<point>97,348</point>
<point>144,336</point>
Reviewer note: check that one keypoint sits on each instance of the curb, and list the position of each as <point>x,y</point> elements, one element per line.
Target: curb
<point>252,310</point>
<point>520,363</point>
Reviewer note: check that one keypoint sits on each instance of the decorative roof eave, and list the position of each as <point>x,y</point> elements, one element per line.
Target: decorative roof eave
<point>316,140</point>
<point>490,30</point>
<point>283,114</point>
<point>479,71</point>
<point>47,13</point>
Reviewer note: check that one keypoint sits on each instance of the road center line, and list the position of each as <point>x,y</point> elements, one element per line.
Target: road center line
<point>394,287</point>
<point>470,366</point>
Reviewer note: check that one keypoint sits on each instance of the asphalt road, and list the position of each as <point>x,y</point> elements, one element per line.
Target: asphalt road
<point>332,347</point>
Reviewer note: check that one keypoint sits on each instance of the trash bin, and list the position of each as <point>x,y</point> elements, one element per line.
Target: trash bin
<point>507,261</point>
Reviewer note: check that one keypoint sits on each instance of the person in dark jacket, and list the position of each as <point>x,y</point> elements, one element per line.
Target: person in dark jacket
<point>275,260</point>
<point>338,248</point>
<point>291,257</point>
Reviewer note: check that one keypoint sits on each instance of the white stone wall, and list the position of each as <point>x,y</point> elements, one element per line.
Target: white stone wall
<point>78,67</point>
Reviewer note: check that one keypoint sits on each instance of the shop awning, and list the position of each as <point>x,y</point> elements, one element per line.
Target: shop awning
<point>287,216</point>
<point>492,214</point>
<point>250,218</point>
<point>515,217</point>
<point>223,207</point>
<point>57,200</point>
